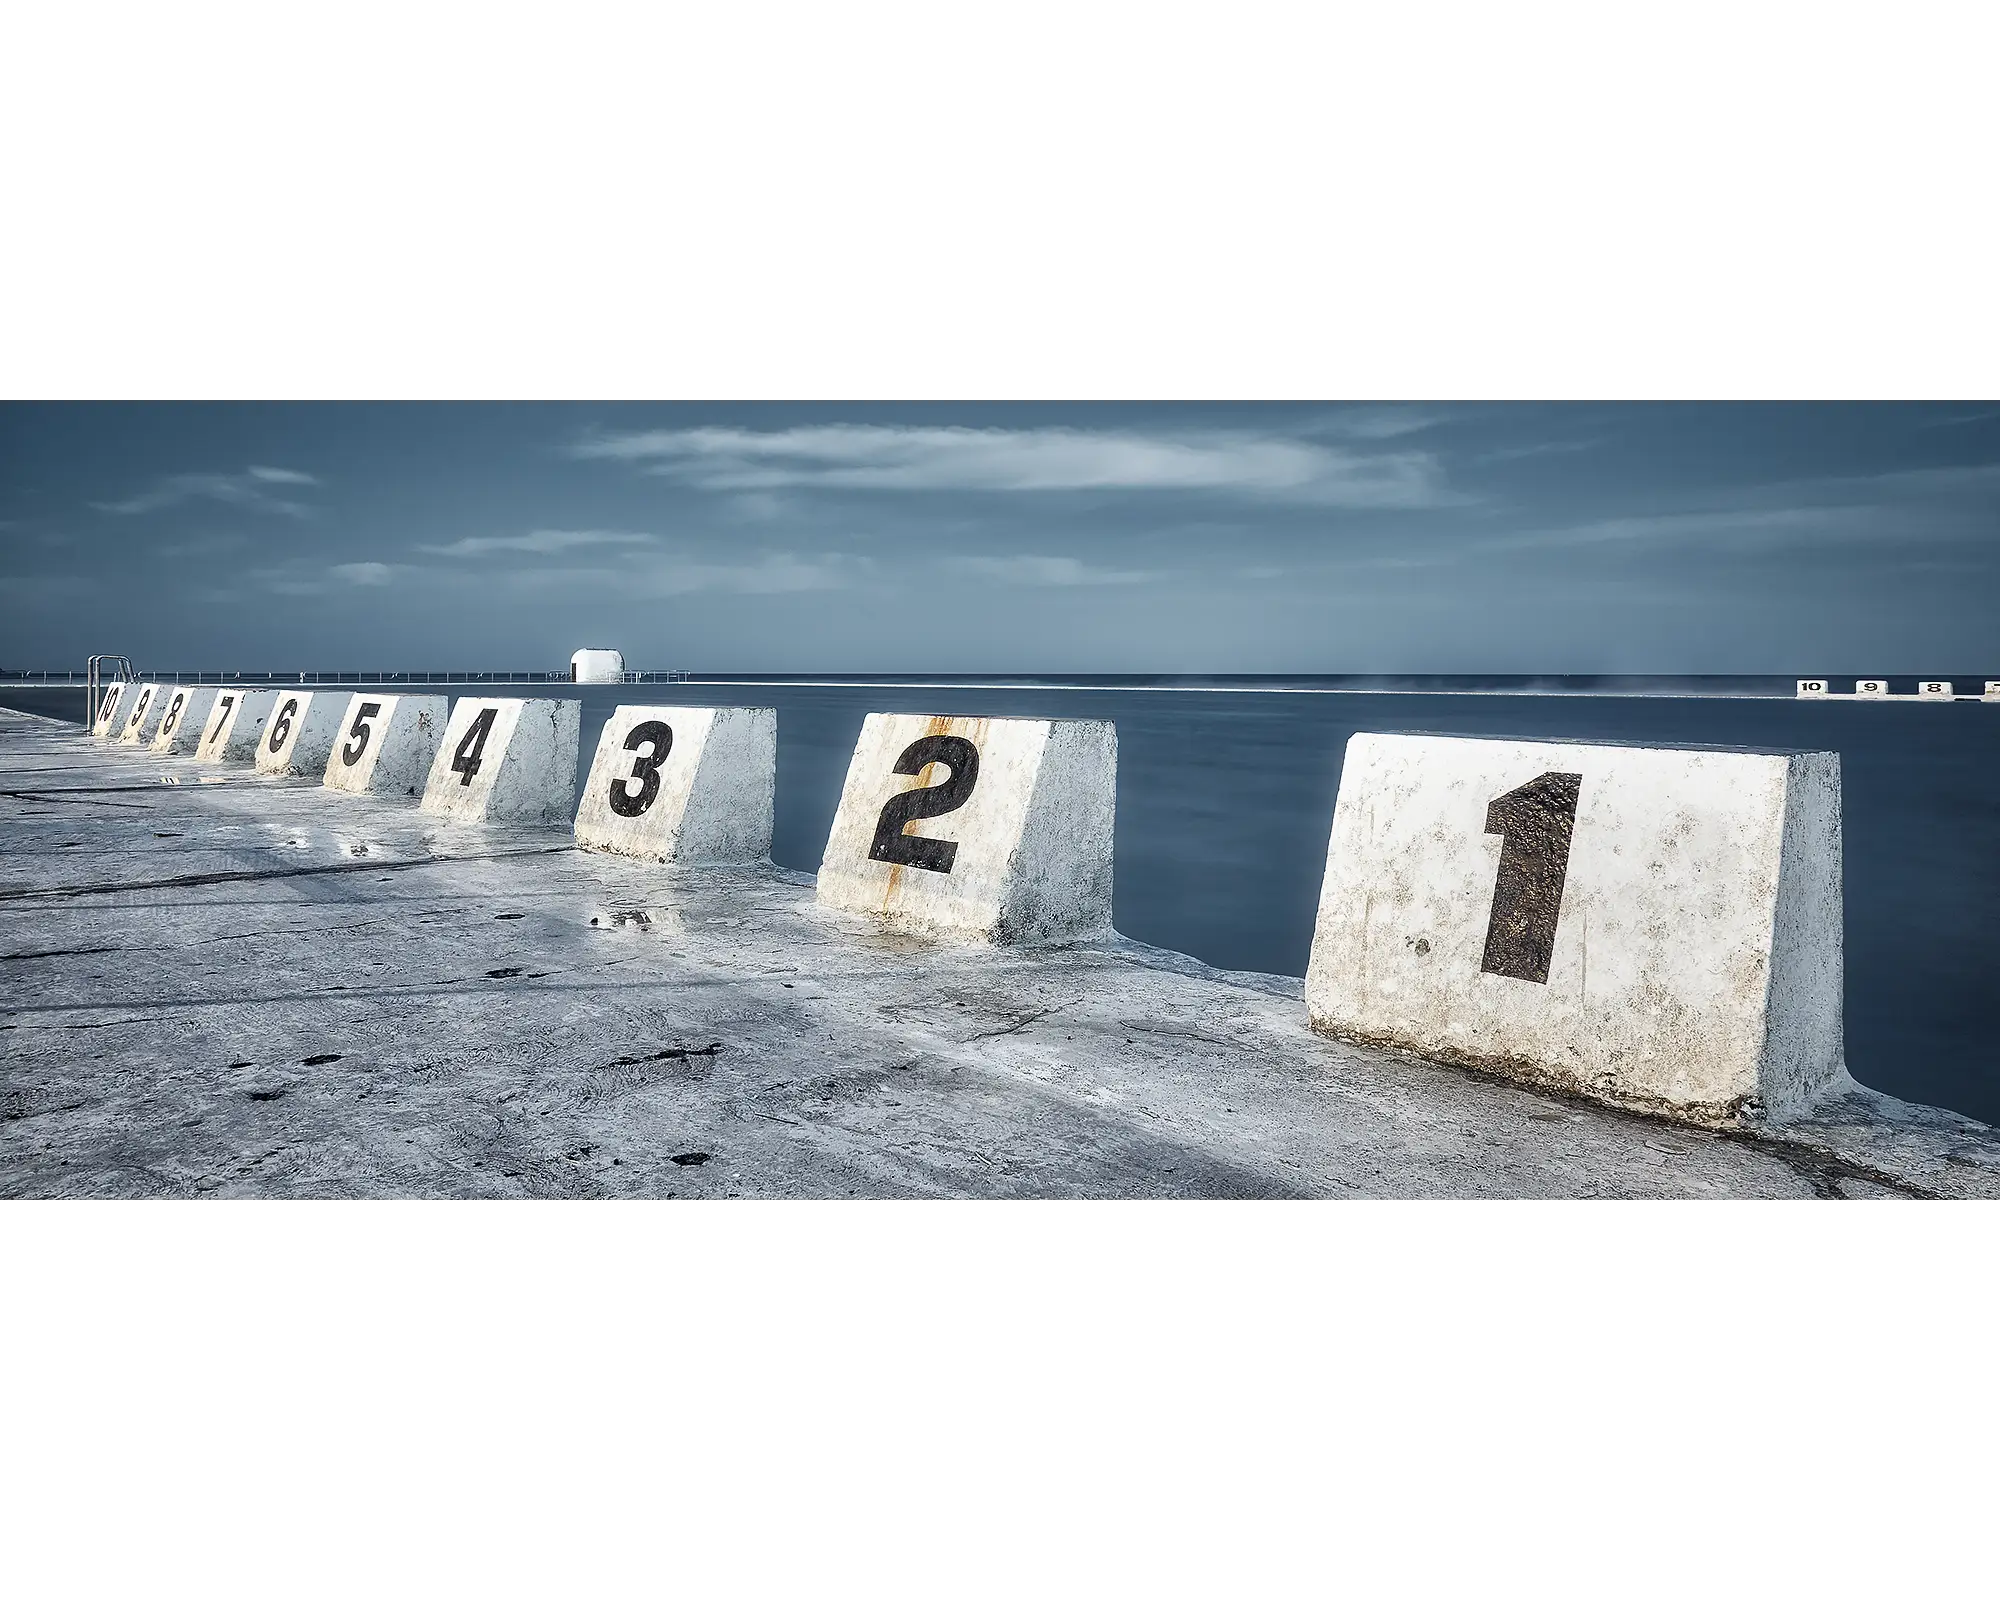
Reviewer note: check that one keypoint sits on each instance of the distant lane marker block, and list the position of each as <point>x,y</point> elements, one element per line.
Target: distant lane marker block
<point>682,783</point>
<point>299,736</point>
<point>235,724</point>
<point>188,706</point>
<point>1934,689</point>
<point>986,828</point>
<point>506,761</point>
<point>1871,688</point>
<point>1992,690</point>
<point>387,743</point>
<point>1812,688</point>
<point>108,721</point>
<point>1659,929</point>
<point>142,715</point>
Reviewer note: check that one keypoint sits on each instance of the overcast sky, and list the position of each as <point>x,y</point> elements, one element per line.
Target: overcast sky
<point>963,538</point>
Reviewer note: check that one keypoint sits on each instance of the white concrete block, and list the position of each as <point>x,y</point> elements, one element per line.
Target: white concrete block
<point>682,783</point>
<point>1655,928</point>
<point>1992,690</point>
<point>180,727</point>
<point>1934,689</point>
<point>597,666</point>
<point>299,736</point>
<point>1871,688</point>
<point>1812,688</point>
<point>506,761</point>
<point>387,743</point>
<point>142,714</point>
<point>988,828</point>
<point>235,724</point>
<point>116,696</point>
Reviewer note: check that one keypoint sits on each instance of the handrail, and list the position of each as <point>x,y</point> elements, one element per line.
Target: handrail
<point>92,678</point>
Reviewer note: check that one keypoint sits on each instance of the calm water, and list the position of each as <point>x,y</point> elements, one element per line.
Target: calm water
<point>1225,801</point>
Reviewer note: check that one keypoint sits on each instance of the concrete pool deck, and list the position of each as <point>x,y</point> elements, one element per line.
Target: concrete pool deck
<point>213,983</point>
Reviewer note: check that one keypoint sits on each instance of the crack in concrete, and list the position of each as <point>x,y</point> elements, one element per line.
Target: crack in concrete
<point>269,874</point>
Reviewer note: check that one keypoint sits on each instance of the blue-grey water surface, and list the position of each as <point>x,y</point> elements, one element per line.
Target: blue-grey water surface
<point>1225,802</point>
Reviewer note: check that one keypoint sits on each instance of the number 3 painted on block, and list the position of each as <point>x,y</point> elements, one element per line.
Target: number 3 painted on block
<point>1534,822</point>
<point>645,770</point>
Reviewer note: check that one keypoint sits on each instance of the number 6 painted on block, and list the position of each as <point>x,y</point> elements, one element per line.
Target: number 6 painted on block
<point>1534,822</point>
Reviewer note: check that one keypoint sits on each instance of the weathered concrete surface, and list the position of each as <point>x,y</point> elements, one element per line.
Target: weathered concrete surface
<point>994,828</point>
<point>387,744</point>
<point>298,737</point>
<point>239,987</point>
<point>682,783</point>
<point>236,725</point>
<point>1658,928</point>
<point>506,760</point>
<point>188,706</point>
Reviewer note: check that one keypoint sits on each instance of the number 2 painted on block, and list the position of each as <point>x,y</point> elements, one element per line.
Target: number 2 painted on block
<point>465,759</point>
<point>1535,823</point>
<point>911,850</point>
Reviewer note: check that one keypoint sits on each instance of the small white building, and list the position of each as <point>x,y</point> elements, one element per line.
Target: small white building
<point>597,666</point>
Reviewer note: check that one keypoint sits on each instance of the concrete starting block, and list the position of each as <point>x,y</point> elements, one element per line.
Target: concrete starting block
<point>1871,688</point>
<point>235,724</point>
<point>387,743</point>
<point>1934,689</point>
<point>1812,688</point>
<point>107,710</point>
<point>298,737</point>
<point>989,828</point>
<point>1992,690</point>
<point>188,706</point>
<point>506,761</point>
<point>682,783</point>
<point>142,714</point>
<point>1659,929</point>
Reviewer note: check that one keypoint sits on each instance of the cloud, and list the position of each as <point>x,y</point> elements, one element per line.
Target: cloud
<point>1046,572</point>
<point>244,489</point>
<point>370,574</point>
<point>1900,510</point>
<point>861,456</point>
<point>542,542</point>
<point>664,577</point>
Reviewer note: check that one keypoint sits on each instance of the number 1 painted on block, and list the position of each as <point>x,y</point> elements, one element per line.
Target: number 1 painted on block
<point>1534,822</point>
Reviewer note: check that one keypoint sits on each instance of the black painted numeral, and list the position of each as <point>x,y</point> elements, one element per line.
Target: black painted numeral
<point>465,760</point>
<point>645,770</point>
<point>173,715</point>
<point>110,708</point>
<point>221,717</point>
<point>892,844</point>
<point>1534,822</point>
<point>281,730</point>
<point>139,711</point>
<point>358,733</point>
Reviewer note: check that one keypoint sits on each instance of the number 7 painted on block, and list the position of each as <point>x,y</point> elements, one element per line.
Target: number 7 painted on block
<point>1534,822</point>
